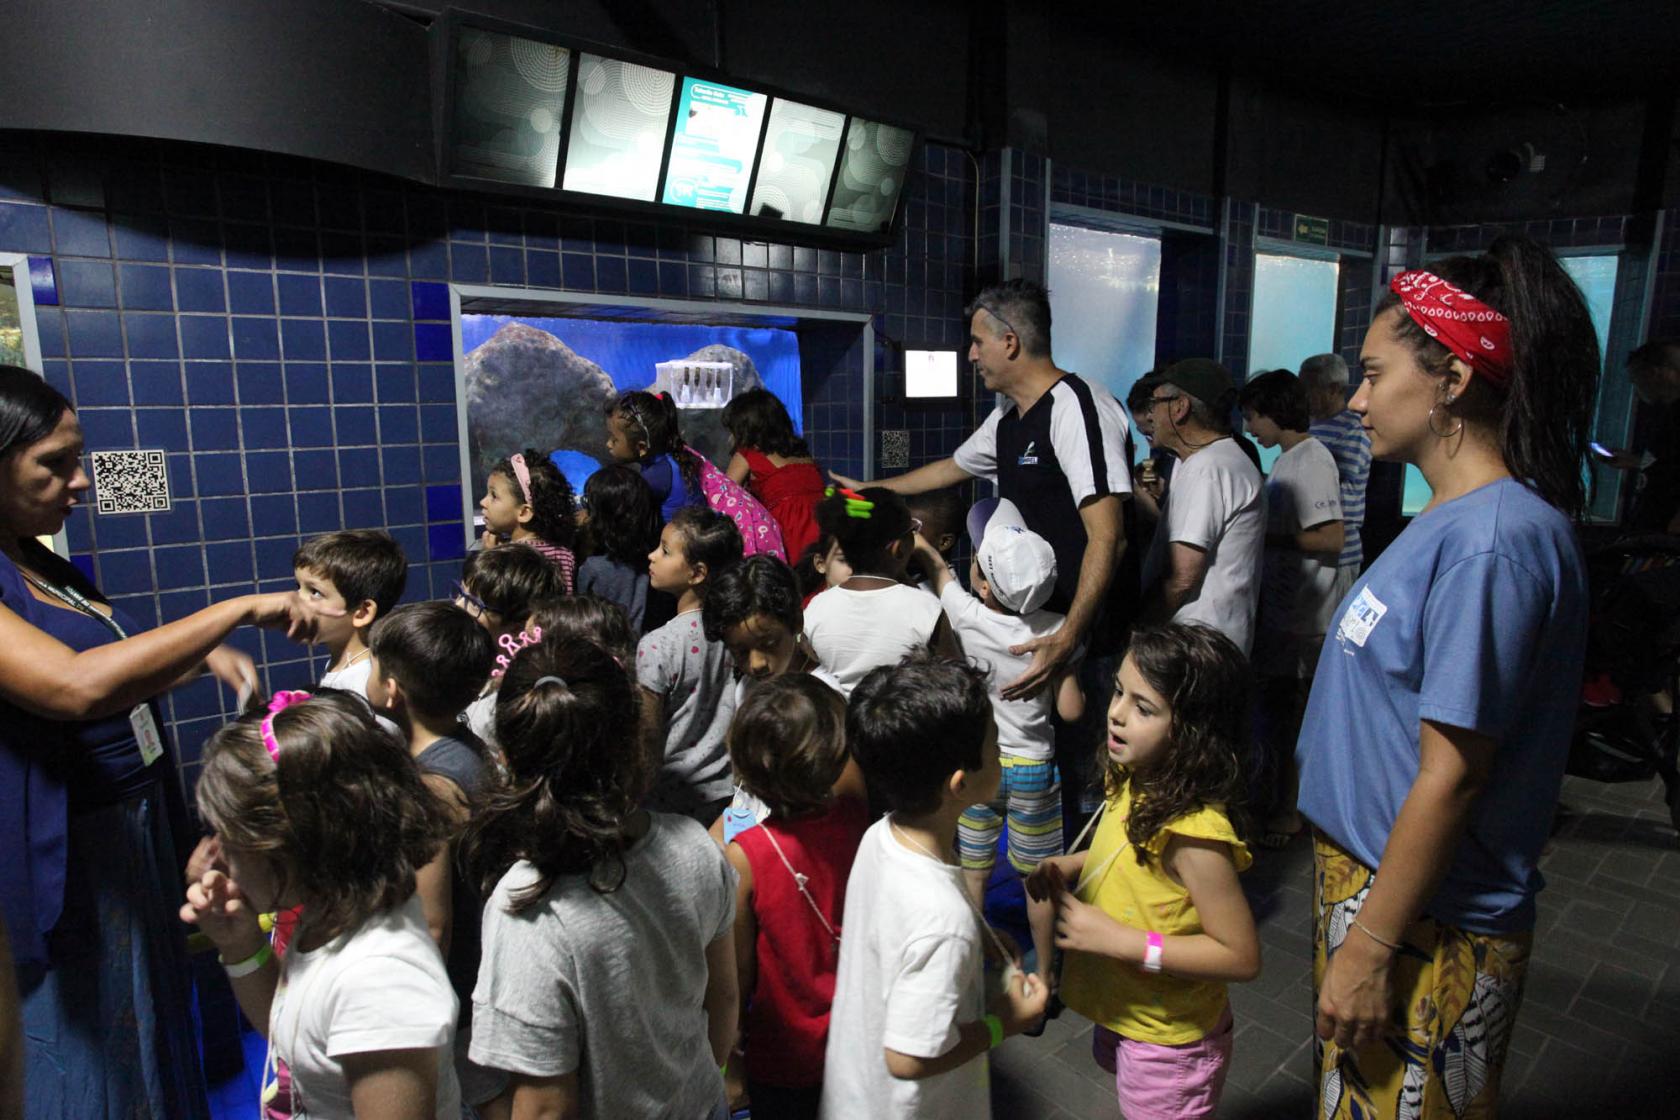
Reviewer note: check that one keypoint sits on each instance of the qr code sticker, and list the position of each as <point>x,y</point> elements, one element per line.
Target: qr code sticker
<point>895,447</point>
<point>130,481</point>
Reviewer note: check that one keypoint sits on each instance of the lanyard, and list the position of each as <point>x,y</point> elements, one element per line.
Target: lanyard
<point>77,601</point>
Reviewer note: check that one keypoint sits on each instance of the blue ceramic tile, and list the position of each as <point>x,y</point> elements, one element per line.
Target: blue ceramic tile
<point>311,427</point>
<point>388,299</point>
<point>161,428</point>
<point>728,251</point>
<point>80,233</point>
<point>804,259</point>
<point>125,573</point>
<point>303,339</point>
<point>271,514</point>
<point>94,334</point>
<point>412,540</point>
<point>346,297</point>
<point>430,301</point>
<point>268,472</point>
<point>403,505</point>
<point>179,568</point>
<point>146,288</point>
<point>393,341</point>
<point>437,381</point>
<point>151,336</point>
<point>399,423</point>
<point>318,512</point>
<point>610,274</point>
<point>644,277</point>
<point>507,266</point>
<point>438,423</point>
<point>349,339</point>
<point>204,336</point>
<point>199,289</point>
<point>215,429</point>
<point>255,338</point>
<point>445,541</point>
<point>225,519</point>
<point>87,284</point>
<point>195,242</point>
<point>100,383</point>
<point>251,293</point>
<point>315,469</point>
<point>177,525</point>
<point>210,383</point>
<point>307,383</point>
<point>756,284</point>
<point>260,383</point>
<point>43,286</point>
<point>219,474</point>
<point>343,254</point>
<point>433,342</point>
<point>702,281</point>
<point>264,428</point>
<point>299,294</point>
<point>156,383</point>
<point>430,261</point>
<point>247,246</point>
<point>542,269</point>
<point>230,562</point>
<point>400,466</point>
<point>114,530</point>
<point>355,426</point>
<point>468,264</point>
<point>140,239</point>
<point>577,271</point>
<point>443,503</point>
<point>395,382</point>
<point>358,466</point>
<point>363,509</point>
<point>441,463</point>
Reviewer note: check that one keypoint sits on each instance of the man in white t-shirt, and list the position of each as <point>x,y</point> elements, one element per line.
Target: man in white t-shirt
<point>1298,590</point>
<point>1204,563</point>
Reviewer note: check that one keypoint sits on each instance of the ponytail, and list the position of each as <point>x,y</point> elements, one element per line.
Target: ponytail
<point>652,419</point>
<point>1544,416</point>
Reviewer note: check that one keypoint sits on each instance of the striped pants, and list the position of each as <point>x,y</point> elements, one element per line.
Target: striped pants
<point>1031,796</point>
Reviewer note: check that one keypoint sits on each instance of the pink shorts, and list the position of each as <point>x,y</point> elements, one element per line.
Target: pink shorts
<point>1156,1082</point>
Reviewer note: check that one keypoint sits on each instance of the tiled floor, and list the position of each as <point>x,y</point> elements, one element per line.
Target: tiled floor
<point>1599,1030</point>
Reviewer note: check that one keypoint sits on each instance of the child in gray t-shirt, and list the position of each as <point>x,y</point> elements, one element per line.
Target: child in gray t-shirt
<point>688,692</point>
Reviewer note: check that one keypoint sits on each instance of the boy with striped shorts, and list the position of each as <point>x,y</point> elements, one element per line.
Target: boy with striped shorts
<point>1012,574</point>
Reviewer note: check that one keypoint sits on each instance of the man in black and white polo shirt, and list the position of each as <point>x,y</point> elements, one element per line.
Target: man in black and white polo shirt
<point>1057,449</point>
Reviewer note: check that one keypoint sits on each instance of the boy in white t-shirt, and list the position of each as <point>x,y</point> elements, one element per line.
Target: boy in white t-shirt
<point>1012,575</point>
<point>910,1015</point>
<point>353,576</point>
<point>1297,585</point>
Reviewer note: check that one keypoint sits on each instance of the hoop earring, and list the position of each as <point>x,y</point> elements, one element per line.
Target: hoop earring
<point>1438,434</point>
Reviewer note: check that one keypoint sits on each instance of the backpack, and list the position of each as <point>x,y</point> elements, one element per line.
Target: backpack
<point>760,533</point>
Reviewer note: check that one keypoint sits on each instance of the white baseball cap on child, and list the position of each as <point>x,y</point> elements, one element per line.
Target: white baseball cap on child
<point>1019,564</point>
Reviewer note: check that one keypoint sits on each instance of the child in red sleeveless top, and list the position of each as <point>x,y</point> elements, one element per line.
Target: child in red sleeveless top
<point>788,747</point>
<point>775,465</point>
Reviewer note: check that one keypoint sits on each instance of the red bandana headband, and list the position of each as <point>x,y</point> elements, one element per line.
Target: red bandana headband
<point>1459,321</point>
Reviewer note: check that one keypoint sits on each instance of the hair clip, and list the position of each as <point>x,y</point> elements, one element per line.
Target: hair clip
<point>856,504</point>
<point>513,644</point>
<point>561,681</point>
<point>281,701</point>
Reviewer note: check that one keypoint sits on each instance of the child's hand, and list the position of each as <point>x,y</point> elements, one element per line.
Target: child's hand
<point>1021,1004</point>
<point>207,856</point>
<point>489,539</point>
<point>216,906</point>
<point>1049,879</point>
<point>1086,929</point>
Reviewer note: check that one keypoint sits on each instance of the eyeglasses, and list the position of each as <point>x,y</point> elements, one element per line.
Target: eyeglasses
<point>468,602</point>
<point>1153,401</point>
<point>992,311</point>
<point>915,524</point>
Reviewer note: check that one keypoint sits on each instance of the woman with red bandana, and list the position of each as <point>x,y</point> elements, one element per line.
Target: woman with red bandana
<point>1434,742</point>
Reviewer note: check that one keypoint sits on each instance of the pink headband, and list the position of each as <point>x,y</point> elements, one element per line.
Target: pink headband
<point>282,700</point>
<point>1459,321</point>
<point>513,644</point>
<point>522,474</point>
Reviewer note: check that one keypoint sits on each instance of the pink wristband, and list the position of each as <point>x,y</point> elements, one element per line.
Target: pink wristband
<point>1152,954</point>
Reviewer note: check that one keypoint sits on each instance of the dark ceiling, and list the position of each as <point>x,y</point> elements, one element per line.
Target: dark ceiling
<point>1420,54</point>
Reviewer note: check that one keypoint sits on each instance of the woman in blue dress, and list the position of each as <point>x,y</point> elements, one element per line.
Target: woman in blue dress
<point>1434,742</point>
<point>91,816</point>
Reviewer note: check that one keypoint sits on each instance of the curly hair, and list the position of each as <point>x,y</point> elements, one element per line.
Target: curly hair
<point>866,540</point>
<point>1543,418</point>
<point>622,514</point>
<point>566,721</point>
<point>553,507</point>
<point>1204,679</point>
<point>757,419</point>
<point>341,814</point>
<point>652,421</point>
<point>787,744</point>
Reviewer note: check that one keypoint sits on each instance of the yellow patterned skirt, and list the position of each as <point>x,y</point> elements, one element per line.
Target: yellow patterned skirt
<point>1456,999</point>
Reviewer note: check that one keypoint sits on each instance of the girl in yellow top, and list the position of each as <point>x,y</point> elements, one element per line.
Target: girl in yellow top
<point>1151,917</point>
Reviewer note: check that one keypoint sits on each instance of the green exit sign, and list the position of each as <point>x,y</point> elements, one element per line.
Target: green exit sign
<point>1315,231</point>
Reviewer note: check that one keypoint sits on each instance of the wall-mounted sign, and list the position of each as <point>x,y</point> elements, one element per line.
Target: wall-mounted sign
<point>1312,231</point>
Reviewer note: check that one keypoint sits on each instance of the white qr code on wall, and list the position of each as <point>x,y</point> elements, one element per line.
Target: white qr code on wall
<point>130,481</point>
<point>895,448</point>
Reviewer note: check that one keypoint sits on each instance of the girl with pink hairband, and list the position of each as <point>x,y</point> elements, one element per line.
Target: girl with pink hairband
<point>528,501</point>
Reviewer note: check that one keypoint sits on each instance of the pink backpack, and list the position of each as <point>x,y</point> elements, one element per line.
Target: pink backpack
<point>760,532</point>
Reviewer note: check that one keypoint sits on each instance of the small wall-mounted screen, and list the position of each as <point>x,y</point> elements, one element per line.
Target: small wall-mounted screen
<point>930,373</point>
<point>618,128</point>
<point>872,170</point>
<point>712,146</point>
<point>800,145</point>
<point>510,100</point>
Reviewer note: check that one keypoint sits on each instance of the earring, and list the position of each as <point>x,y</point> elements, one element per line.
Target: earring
<point>1440,434</point>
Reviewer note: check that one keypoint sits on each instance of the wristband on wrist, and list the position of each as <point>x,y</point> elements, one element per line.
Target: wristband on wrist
<point>1152,952</point>
<point>995,1026</point>
<point>1391,946</point>
<point>249,965</point>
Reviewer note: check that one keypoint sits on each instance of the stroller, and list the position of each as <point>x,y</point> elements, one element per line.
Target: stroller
<point>1633,659</point>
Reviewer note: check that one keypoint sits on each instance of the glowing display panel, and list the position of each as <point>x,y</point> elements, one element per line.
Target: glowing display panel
<point>800,146</point>
<point>618,128</point>
<point>872,169</point>
<point>713,145</point>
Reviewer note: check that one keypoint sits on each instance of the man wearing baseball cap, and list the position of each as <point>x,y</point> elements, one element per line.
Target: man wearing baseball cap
<point>1013,575</point>
<point>1204,563</point>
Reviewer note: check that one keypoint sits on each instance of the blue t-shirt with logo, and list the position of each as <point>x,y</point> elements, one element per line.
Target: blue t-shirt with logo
<point>1475,617</point>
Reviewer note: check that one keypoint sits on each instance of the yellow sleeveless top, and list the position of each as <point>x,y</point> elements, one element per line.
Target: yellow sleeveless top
<point>1148,1007</point>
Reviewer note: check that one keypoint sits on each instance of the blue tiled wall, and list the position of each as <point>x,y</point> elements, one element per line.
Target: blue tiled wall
<point>279,328</point>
